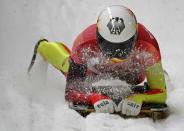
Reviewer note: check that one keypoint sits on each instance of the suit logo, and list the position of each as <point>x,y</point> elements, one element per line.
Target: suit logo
<point>116,25</point>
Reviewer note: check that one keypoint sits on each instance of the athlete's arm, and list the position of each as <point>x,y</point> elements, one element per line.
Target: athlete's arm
<point>155,77</point>
<point>55,53</point>
<point>76,90</point>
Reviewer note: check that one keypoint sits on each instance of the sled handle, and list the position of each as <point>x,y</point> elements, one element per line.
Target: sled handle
<point>140,89</point>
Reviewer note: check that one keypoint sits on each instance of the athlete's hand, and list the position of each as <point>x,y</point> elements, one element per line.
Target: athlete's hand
<point>103,104</point>
<point>129,107</point>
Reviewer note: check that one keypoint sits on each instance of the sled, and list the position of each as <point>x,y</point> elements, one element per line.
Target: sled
<point>152,110</point>
<point>155,111</point>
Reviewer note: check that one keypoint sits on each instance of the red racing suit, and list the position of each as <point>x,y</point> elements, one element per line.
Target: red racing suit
<point>143,62</point>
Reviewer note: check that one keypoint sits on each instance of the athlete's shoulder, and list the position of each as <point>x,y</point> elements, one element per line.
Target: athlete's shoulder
<point>145,35</point>
<point>85,42</point>
<point>86,35</point>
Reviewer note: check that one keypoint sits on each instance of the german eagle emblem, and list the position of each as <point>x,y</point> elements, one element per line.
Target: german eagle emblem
<point>116,25</point>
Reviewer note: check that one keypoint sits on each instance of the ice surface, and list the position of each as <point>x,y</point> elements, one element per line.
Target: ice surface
<point>30,104</point>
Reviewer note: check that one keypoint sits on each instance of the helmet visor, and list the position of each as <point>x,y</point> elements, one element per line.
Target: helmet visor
<point>116,50</point>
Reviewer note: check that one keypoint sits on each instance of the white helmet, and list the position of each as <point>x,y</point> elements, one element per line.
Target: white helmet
<point>116,31</point>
